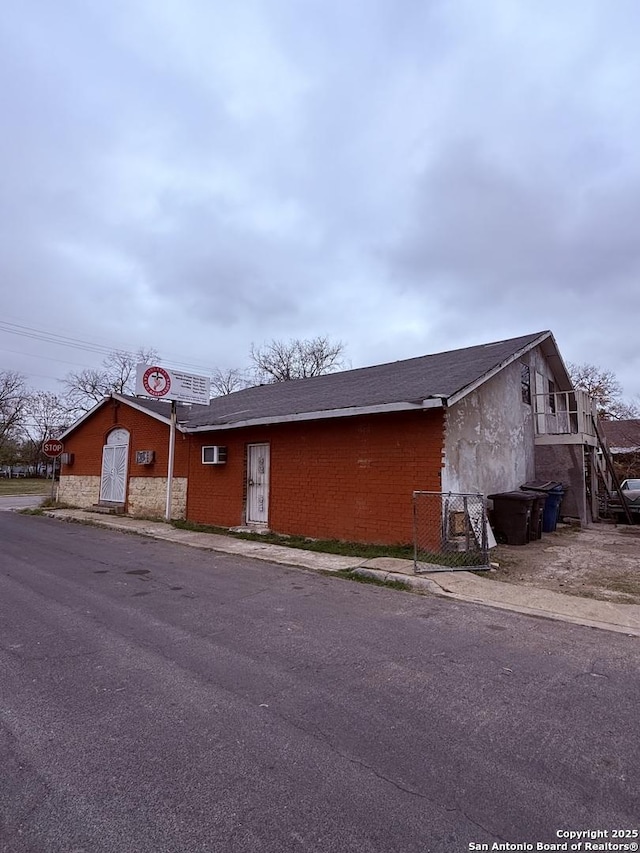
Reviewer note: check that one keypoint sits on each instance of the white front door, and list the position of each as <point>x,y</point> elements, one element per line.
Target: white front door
<point>113,479</point>
<point>258,484</point>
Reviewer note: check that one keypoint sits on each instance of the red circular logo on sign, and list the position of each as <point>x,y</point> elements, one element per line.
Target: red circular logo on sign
<point>156,382</point>
<point>52,448</point>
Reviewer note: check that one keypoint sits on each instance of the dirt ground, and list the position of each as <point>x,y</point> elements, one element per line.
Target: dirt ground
<point>601,561</point>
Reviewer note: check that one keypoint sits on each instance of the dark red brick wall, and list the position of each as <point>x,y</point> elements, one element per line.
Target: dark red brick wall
<point>347,478</point>
<point>146,433</point>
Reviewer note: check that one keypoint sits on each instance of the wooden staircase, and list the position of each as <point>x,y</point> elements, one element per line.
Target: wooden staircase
<point>606,472</point>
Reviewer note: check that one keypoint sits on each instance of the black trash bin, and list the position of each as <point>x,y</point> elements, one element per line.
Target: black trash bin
<point>537,514</point>
<point>512,516</point>
<point>553,492</point>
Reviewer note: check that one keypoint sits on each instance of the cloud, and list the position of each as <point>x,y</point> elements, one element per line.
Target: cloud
<point>404,176</point>
<point>474,223</point>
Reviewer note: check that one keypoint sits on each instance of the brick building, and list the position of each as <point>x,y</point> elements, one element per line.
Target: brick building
<point>335,456</point>
<point>117,455</point>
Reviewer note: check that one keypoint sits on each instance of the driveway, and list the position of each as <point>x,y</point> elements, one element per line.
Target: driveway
<point>156,698</point>
<point>601,561</point>
<point>12,502</point>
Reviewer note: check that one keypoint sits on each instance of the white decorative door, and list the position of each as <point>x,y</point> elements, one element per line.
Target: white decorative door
<point>258,484</point>
<point>113,480</point>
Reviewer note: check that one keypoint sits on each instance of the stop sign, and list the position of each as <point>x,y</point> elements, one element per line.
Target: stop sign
<point>52,448</point>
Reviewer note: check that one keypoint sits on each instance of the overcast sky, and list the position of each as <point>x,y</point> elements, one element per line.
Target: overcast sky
<point>407,176</point>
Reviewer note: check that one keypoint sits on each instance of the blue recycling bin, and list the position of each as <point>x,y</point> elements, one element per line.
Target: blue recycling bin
<point>551,512</point>
<point>554,493</point>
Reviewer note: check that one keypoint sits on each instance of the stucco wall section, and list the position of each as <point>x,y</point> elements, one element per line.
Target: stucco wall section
<point>79,491</point>
<point>489,438</point>
<point>564,463</point>
<point>148,496</point>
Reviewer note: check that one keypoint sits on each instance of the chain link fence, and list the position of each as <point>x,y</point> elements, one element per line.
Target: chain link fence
<point>450,532</point>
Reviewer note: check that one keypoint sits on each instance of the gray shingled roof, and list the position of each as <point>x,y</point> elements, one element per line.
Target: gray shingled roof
<point>622,436</point>
<point>163,407</point>
<point>409,381</point>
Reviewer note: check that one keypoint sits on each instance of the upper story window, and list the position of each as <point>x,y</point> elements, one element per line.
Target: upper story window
<point>552,397</point>
<point>525,381</point>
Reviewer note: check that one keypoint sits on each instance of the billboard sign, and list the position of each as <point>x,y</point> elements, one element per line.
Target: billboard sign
<point>160,383</point>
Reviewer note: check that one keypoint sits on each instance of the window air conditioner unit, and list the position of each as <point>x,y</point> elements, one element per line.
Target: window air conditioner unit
<point>145,457</point>
<point>214,455</point>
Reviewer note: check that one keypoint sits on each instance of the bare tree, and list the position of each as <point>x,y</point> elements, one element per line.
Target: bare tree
<point>603,386</point>
<point>14,396</point>
<point>46,417</point>
<point>85,388</point>
<point>225,382</point>
<point>280,361</point>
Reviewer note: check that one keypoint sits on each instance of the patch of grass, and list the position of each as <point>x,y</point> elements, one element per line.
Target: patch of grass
<point>454,560</point>
<point>563,528</point>
<point>350,575</point>
<point>199,528</point>
<point>601,594</point>
<point>49,503</point>
<point>625,585</point>
<point>24,486</point>
<point>325,546</point>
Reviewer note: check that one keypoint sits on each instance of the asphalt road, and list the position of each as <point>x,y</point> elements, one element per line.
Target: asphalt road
<point>157,698</point>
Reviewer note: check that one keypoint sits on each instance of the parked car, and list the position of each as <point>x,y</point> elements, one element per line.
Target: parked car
<point>630,490</point>
<point>15,471</point>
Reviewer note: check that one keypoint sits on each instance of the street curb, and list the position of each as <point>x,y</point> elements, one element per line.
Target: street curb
<point>330,564</point>
<point>428,586</point>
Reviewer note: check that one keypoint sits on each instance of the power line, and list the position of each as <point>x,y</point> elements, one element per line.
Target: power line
<point>33,355</point>
<point>39,375</point>
<point>52,337</point>
<point>67,341</point>
<point>107,347</point>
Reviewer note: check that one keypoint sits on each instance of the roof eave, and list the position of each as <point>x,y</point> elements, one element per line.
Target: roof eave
<point>158,417</point>
<point>83,418</point>
<point>325,414</point>
<point>125,401</point>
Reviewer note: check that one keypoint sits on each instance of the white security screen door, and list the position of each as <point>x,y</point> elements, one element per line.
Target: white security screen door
<point>113,480</point>
<point>258,484</point>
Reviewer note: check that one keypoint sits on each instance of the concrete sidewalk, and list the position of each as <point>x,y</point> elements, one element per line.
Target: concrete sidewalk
<point>459,585</point>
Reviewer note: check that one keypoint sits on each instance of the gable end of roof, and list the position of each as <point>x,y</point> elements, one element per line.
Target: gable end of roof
<point>540,339</point>
<point>132,403</point>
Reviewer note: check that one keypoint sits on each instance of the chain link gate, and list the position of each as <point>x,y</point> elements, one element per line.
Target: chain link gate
<point>449,532</point>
